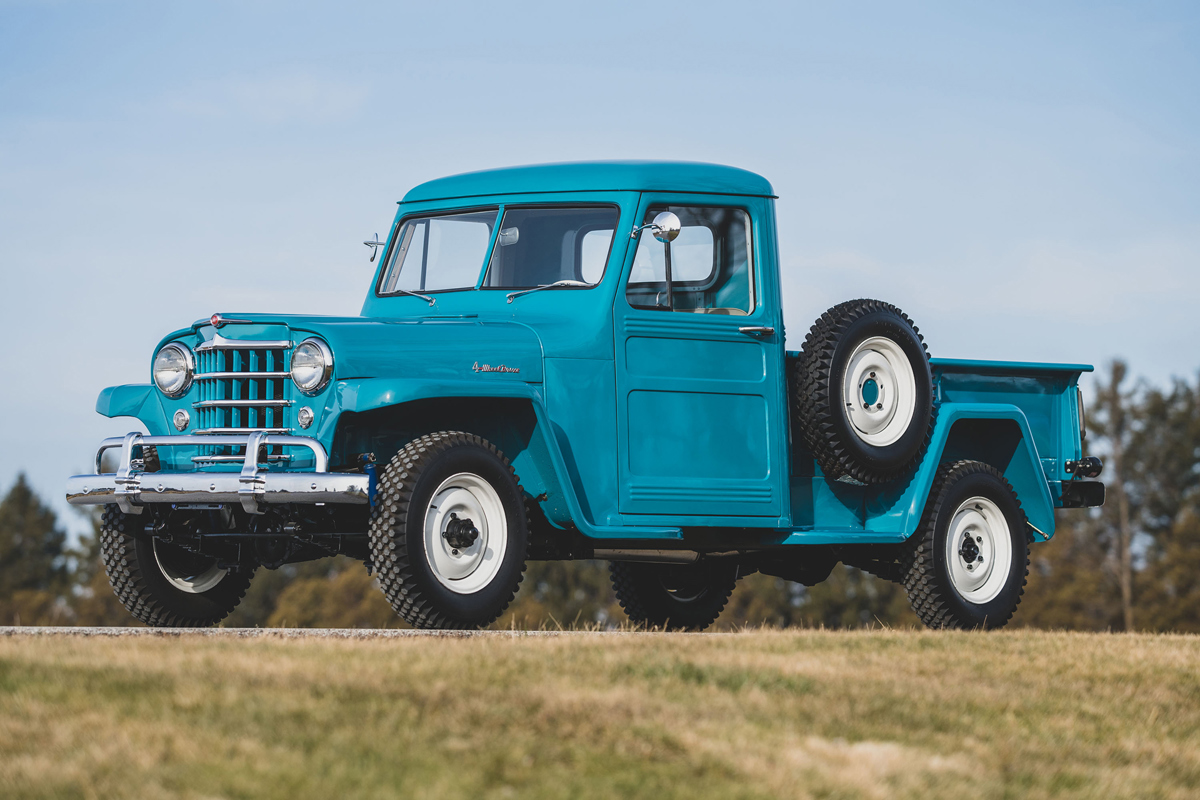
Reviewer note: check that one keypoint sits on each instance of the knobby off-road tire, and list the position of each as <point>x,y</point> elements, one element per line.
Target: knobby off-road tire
<point>969,500</point>
<point>162,584</point>
<point>673,596</point>
<point>430,579</point>
<point>862,392</point>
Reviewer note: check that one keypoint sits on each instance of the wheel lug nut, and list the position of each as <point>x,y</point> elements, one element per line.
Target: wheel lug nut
<point>454,552</point>
<point>979,539</point>
<point>880,406</point>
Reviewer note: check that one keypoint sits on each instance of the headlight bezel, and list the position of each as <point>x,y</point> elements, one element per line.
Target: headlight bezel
<point>326,356</point>
<point>189,365</point>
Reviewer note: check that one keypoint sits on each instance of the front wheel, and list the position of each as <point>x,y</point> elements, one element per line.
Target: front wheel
<point>673,596</point>
<point>163,584</point>
<point>449,532</point>
<point>967,564</point>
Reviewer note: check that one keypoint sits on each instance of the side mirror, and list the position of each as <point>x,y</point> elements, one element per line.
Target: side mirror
<point>508,236</point>
<point>665,227</point>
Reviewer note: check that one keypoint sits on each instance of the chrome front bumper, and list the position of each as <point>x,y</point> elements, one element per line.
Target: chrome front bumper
<point>131,488</point>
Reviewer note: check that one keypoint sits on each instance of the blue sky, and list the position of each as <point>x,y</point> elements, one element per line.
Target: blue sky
<point>1022,178</point>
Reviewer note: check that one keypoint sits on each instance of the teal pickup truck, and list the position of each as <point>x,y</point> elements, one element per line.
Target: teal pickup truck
<point>578,361</point>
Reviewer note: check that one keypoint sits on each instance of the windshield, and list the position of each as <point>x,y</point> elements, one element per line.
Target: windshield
<point>432,254</point>
<point>538,246</point>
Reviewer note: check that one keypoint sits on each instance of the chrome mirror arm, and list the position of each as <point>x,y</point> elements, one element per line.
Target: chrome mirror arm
<point>639,228</point>
<point>375,245</point>
<point>665,226</point>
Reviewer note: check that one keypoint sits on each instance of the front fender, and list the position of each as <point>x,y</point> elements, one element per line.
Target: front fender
<point>353,400</point>
<point>367,394</point>
<point>544,456</point>
<point>134,400</point>
<point>359,395</point>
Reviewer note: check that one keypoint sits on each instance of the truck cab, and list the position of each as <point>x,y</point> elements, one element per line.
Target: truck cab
<point>583,361</point>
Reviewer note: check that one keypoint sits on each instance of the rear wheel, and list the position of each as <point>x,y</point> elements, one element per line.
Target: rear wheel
<point>673,596</point>
<point>164,584</point>
<point>967,564</point>
<point>448,532</point>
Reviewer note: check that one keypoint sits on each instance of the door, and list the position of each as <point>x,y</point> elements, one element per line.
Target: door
<point>699,369</point>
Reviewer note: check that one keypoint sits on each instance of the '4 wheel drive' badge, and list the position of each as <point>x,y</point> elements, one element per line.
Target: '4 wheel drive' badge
<point>489,368</point>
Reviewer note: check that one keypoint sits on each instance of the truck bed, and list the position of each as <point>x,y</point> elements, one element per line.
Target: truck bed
<point>1045,394</point>
<point>1023,418</point>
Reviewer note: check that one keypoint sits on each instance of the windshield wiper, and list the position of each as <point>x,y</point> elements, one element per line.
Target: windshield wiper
<point>425,297</point>
<point>555,285</point>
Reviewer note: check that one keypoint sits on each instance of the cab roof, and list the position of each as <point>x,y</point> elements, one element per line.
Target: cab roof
<point>593,176</point>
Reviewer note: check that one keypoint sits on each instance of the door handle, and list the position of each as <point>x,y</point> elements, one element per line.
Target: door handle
<point>757,330</point>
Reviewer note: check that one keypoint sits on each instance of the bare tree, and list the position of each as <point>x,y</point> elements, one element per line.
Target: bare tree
<point>1113,424</point>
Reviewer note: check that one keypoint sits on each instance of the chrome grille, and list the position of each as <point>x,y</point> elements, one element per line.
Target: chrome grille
<point>243,386</point>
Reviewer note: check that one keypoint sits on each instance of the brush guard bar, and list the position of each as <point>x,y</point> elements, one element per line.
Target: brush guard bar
<point>131,488</point>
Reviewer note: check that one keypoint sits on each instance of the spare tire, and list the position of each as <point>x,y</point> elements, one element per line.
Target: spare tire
<point>862,392</point>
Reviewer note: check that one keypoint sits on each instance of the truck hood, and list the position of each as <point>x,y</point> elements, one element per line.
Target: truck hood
<point>428,347</point>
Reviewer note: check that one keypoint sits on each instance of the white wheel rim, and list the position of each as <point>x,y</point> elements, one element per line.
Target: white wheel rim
<point>466,496</point>
<point>978,550</point>
<point>879,392</point>
<point>190,583</point>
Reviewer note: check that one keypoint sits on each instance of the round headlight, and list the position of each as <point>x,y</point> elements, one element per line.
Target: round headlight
<point>312,364</point>
<point>173,370</point>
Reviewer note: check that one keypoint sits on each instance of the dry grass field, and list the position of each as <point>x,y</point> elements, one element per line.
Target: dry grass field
<point>878,714</point>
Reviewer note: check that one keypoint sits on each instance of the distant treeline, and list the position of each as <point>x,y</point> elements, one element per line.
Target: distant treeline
<point>1134,564</point>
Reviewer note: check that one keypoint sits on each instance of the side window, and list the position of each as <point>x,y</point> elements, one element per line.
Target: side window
<point>711,264</point>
